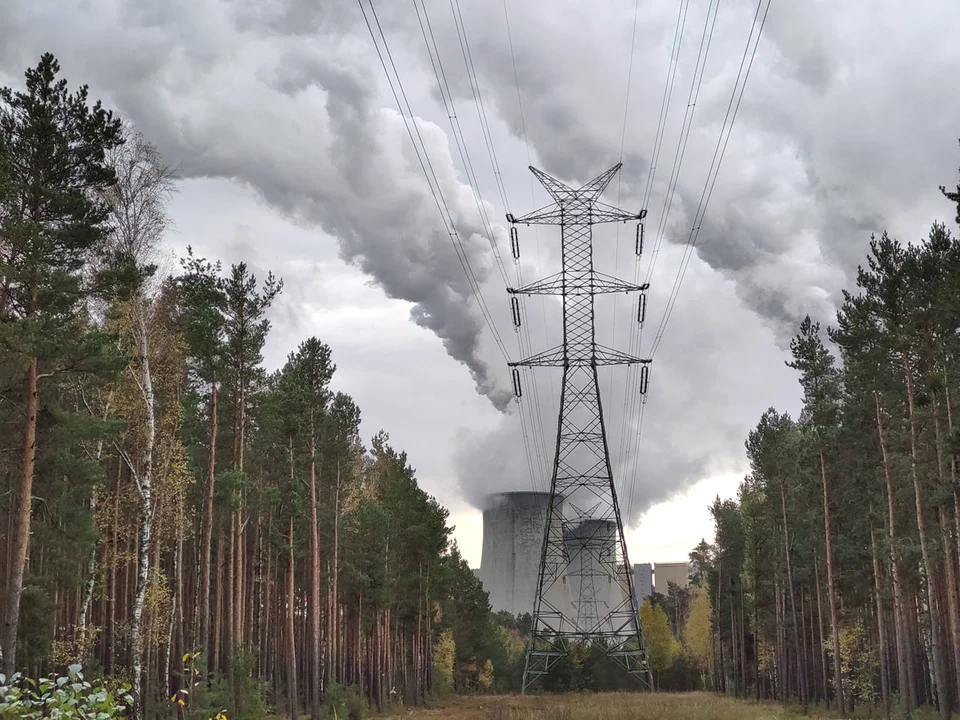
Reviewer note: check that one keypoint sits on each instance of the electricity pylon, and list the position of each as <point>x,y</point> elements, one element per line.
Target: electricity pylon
<point>581,466</point>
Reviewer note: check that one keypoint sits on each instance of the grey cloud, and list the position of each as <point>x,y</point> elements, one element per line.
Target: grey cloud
<point>715,372</point>
<point>838,135</point>
<point>806,178</point>
<point>346,167</point>
<point>803,76</point>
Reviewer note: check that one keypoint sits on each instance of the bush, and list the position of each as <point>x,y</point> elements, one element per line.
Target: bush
<point>68,696</point>
<point>240,697</point>
<point>345,703</point>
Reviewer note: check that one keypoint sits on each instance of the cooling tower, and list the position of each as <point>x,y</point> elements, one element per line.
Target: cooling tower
<point>592,549</point>
<point>513,525</point>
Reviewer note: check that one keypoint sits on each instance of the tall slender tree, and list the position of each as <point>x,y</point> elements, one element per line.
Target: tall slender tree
<point>202,309</point>
<point>52,222</point>
<point>820,380</point>
<point>138,219</point>
<point>312,369</point>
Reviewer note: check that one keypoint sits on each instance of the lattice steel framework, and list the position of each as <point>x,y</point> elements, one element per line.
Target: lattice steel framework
<point>582,462</point>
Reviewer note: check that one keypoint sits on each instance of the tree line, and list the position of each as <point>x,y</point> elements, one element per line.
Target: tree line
<point>833,576</point>
<point>174,515</point>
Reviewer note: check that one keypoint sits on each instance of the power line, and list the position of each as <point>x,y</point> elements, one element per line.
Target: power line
<point>425,163</point>
<point>446,95</point>
<point>714,170</point>
<point>623,137</point>
<point>706,39</point>
<point>696,82</point>
<point>459,139</point>
<point>543,302</point>
<point>631,396</point>
<point>712,174</point>
<point>524,329</point>
<point>523,332</point>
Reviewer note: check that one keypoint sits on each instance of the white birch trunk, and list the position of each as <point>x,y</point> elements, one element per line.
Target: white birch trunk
<point>144,479</point>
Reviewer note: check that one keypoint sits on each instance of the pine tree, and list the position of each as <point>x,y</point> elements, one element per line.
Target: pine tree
<point>821,393</point>
<point>54,145</point>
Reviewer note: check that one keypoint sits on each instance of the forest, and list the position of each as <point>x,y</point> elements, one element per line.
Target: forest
<point>185,529</point>
<point>186,533</point>
<point>833,576</point>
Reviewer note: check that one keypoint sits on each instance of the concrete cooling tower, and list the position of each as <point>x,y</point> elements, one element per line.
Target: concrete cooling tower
<point>513,525</point>
<point>592,549</point>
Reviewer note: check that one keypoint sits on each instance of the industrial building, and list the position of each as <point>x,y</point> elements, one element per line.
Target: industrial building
<point>642,581</point>
<point>666,573</point>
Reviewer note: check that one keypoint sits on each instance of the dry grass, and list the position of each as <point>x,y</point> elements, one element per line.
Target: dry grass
<point>604,706</point>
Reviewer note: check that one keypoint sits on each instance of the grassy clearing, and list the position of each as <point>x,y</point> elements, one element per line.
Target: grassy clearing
<point>606,706</point>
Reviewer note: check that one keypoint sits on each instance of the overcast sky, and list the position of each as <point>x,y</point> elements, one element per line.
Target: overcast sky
<point>294,159</point>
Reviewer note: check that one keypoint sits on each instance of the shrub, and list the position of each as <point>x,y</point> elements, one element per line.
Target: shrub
<point>345,702</point>
<point>67,696</point>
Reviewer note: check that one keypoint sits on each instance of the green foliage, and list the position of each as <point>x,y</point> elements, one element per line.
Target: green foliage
<point>860,664</point>
<point>55,268</point>
<point>662,646</point>
<point>444,656</point>
<point>697,640</point>
<point>345,703</point>
<point>242,697</point>
<point>68,697</point>
<point>201,315</point>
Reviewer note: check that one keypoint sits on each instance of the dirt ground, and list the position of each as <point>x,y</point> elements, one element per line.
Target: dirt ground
<point>603,706</point>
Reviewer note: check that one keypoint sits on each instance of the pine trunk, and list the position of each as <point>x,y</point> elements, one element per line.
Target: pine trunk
<point>898,623</point>
<point>228,605</point>
<point>950,588</point>
<point>953,470</point>
<point>315,669</point>
<point>928,564</point>
<point>21,541</point>
<point>823,648</point>
<point>267,604</point>
<point>292,693</point>
<point>881,627</point>
<point>205,582</point>
<point>335,642</point>
<point>793,602</point>
<point>831,587</point>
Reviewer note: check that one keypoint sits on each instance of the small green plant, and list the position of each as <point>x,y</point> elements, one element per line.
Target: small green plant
<point>68,697</point>
<point>345,703</point>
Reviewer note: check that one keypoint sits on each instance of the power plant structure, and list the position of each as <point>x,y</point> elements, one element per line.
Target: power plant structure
<point>591,548</point>
<point>643,581</point>
<point>513,526</point>
<point>677,573</point>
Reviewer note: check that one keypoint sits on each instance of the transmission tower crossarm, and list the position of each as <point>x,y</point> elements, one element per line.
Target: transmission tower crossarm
<point>557,214</point>
<point>547,215</point>
<point>594,283</point>
<point>547,358</point>
<point>610,356</point>
<point>604,356</point>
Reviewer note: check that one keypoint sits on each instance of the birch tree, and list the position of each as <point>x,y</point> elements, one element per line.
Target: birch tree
<point>138,219</point>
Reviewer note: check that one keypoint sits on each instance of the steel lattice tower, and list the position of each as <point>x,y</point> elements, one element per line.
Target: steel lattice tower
<point>582,463</point>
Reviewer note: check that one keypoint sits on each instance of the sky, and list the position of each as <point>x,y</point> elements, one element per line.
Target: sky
<point>294,157</point>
